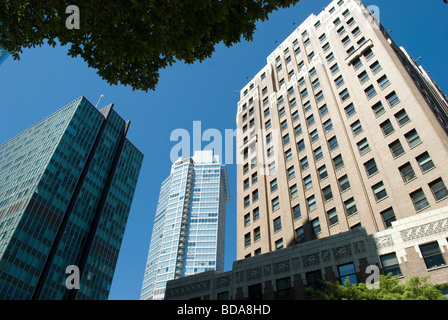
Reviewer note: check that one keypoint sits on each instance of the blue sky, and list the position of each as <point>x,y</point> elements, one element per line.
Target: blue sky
<point>46,79</point>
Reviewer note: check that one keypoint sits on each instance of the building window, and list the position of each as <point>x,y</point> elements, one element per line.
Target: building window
<point>293,191</point>
<point>328,125</point>
<point>311,201</point>
<point>277,224</point>
<point>390,264</point>
<point>315,224</point>
<point>247,219</point>
<point>246,201</point>
<point>320,96</point>
<point>378,109</point>
<point>288,155</point>
<point>247,240</point>
<point>272,167</point>
<point>356,127</point>
<point>412,138</point>
<point>371,167</point>
<point>274,185</point>
<point>402,117</point>
<point>334,68</point>
<point>379,191</point>
<point>407,173</point>
<point>432,255</point>
<point>284,290</point>
<point>338,162</point>
<point>246,183</point>
<point>370,92</point>
<point>363,77</point>
<point>346,41</point>
<point>275,204</point>
<point>295,116</point>
<point>375,67</point>
<point>357,64</point>
<point>330,57</point>
<point>344,95</point>
<point>304,163</point>
<point>300,235</point>
<point>419,199</point>
<point>310,120</point>
<point>438,189</point>
<point>316,84</point>
<point>327,193</point>
<point>284,125</point>
<point>333,143</point>
<point>350,110</point>
<point>257,234</point>
<point>396,148</point>
<point>323,173</point>
<point>344,183</point>
<point>301,145</point>
<point>323,110</point>
<point>286,139</point>
<point>279,244</point>
<point>255,292</point>
<point>307,106</point>
<point>254,177</point>
<point>387,127</point>
<point>350,207</point>
<point>363,146</point>
<point>267,124</point>
<point>392,99</point>
<point>318,154</point>
<point>255,195</point>
<point>425,162</point>
<point>383,82</point>
<point>246,168</point>
<point>388,216</point>
<point>296,212</point>
<point>332,217</point>
<point>368,54</point>
<point>347,271</point>
<point>256,214</point>
<point>314,135</point>
<point>326,47</point>
<point>291,172</point>
<point>308,183</point>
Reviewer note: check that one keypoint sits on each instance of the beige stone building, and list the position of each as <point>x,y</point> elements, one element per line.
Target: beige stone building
<point>341,129</point>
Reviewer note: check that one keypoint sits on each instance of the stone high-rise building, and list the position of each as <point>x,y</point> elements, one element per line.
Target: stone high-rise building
<point>341,129</point>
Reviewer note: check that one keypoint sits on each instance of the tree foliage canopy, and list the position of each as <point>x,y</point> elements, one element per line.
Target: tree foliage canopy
<point>130,41</point>
<point>390,288</point>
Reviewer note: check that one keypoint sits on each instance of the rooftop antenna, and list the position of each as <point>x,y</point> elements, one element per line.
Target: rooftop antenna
<point>99,100</point>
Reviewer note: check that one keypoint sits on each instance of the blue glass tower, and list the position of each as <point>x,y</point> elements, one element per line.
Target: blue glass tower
<point>189,225</point>
<point>66,187</point>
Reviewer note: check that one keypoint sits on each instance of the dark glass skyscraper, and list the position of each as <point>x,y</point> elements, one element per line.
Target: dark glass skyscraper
<point>66,188</point>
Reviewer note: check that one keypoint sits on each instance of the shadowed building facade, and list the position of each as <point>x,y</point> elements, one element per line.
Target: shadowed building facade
<point>66,188</point>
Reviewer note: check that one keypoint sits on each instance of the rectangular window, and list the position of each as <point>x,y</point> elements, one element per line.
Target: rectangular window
<point>246,183</point>
<point>304,163</point>
<point>332,217</point>
<point>347,272</point>
<point>257,234</point>
<point>286,139</point>
<point>254,177</point>
<point>407,173</point>
<point>291,172</point>
<point>357,64</point>
<point>390,264</point>
<point>272,167</point>
<point>412,138</point>
<point>246,201</point>
<point>256,214</point>
<point>278,246</point>
<point>327,193</point>
<point>307,182</point>
<point>301,145</point>
<point>295,116</point>
<point>293,102</point>
<point>330,57</point>
<point>314,135</point>
<point>328,125</point>
<point>315,224</point>
<point>333,143</point>
<point>300,235</point>
<point>247,239</point>
<point>247,220</point>
<point>267,112</point>
<point>284,125</point>
<point>310,120</point>
<point>344,95</point>
<point>288,155</point>
<point>425,162</point>
<point>356,31</point>
<point>339,81</point>
<point>293,191</point>
<point>274,185</point>
<point>383,82</point>
<point>277,224</point>
<point>438,189</point>
<point>323,173</point>
<point>304,93</point>
<point>334,68</point>
<point>323,110</point>
<point>296,212</point>
<point>388,216</point>
<point>396,148</point>
<point>320,96</point>
<point>344,183</point>
<point>371,167</point>
<point>432,255</point>
<point>311,202</point>
<point>370,92</point>
<point>375,67</point>
<point>350,110</point>
<point>356,127</point>
<point>419,199</point>
<point>379,191</point>
<point>338,162</point>
<point>307,106</point>
<point>298,130</point>
<point>402,117</point>
<point>268,124</point>
<point>363,146</point>
<point>387,127</point>
<point>316,84</point>
<point>378,109</point>
<point>392,99</point>
<point>255,195</point>
<point>368,54</point>
<point>318,153</point>
<point>346,41</point>
<point>275,204</point>
<point>363,77</point>
<point>350,207</point>
<point>326,47</point>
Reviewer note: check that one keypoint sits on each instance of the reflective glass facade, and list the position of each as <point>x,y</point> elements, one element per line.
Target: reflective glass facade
<point>3,55</point>
<point>189,225</point>
<point>66,187</point>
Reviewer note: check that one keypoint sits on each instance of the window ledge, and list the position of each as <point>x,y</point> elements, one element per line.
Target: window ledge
<point>437,268</point>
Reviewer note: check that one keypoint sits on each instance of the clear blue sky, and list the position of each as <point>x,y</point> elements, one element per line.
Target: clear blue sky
<point>45,79</point>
